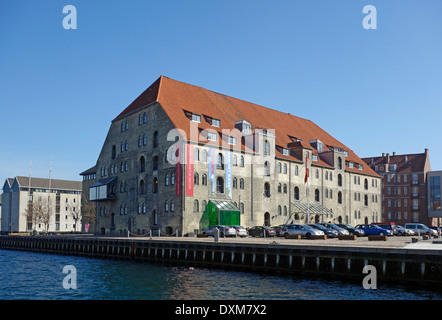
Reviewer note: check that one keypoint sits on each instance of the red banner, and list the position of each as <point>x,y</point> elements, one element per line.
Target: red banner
<point>189,170</point>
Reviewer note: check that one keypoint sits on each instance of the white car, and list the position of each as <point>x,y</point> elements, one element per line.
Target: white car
<point>240,231</point>
<point>403,231</point>
<point>224,231</point>
<point>419,229</point>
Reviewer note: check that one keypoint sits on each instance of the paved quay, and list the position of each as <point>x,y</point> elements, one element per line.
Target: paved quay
<point>392,242</point>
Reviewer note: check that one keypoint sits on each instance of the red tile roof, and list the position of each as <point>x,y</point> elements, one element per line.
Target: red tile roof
<point>405,163</point>
<point>176,97</point>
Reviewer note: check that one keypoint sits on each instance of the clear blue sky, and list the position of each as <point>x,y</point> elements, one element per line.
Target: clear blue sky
<point>374,90</point>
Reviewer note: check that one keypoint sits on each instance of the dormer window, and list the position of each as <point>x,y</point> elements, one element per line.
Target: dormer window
<point>196,117</point>
<point>211,136</point>
<point>350,165</point>
<point>314,157</point>
<point>232,140</point>
<point>216,123</point>
<point>244,127</point>
<point>285,152</point>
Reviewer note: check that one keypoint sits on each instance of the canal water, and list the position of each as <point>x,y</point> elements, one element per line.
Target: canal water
<point>39,276</point>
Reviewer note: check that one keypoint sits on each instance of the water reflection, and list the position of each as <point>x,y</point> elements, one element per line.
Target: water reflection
<point>26,275</point>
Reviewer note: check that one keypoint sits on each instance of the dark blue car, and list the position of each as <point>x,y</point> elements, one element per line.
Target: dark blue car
<point>370,229</point>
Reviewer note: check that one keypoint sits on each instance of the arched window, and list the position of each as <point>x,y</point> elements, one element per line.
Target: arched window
<point>220,162</point>
<point>340,197</point>
<point>155,163</point>
<point>241,183</point>
<point>114,152</point>
<point>267,189</point>
<point>266,148</point>
<point>144,139</point>
<point>142,164</point>
<point>279,211</point>
<point>220,185</point>
<point>204,156</point>
<point>366,200</point>
<point>285,188</point>
<point>279,167</point>
<point>145,117</point>
<point>235,183</point>
<point>196,154</point>
<point>279,187</point>
<point>140,141</point>
<point>155,185</point>
<point>166,206</point>
<point>296,193</point>
<point>285,168</point>
<point>203,205</point>
<point>155,217</point>
<point>204,180</point>
<point>366,184</point>
<point>172,179</point>
<point>339,163</point>
<point>317,195</point>
<point>140,120</point>
<point>196,179</point>
<point>285,210</point>
<point>141,187</point>
<point>296,170</point>
<point>155,139</point>
<point>241,161</point>
<point>166,180</point>
<point>234,160</point>
<point>326,175</point>
<point>196,206</point>
<point>266,168</point>
<point>339,180</point>
<point>172,206</point>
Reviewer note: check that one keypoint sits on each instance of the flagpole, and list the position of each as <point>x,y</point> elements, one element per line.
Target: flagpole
<point>308,205</point>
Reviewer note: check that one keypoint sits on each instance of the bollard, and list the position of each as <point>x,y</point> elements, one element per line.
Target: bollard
<point>216,235</point>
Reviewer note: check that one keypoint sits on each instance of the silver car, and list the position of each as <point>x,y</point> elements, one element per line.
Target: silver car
<point>224,231</point>
<point>403,231</point>
<point>302,230</point>
<point>240,231</point>
<point>332,226</point>
<point>419,228</point>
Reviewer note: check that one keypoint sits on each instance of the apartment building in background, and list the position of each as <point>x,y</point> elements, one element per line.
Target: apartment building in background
<point>43,205</point>
<point>178,146</point>
<point>404,186</point>
<point>434,194</point>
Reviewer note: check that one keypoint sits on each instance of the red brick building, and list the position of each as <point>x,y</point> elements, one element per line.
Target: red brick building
<point>404,191</point>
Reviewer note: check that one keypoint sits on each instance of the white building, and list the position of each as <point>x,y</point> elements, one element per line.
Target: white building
<point>41,204</point>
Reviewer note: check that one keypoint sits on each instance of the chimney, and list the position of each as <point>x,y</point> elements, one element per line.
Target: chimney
<point>394,153</point>
<point>383,154</point>
<point>388,158</point>
<point>427,152</point>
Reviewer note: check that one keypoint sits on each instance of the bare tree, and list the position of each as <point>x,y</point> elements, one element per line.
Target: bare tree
<point>31,215</point>
<point>74,210</point>
<point>88,210</point>
<point>43,210</point>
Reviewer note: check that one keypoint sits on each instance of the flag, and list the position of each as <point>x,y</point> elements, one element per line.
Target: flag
<point>306,168</point>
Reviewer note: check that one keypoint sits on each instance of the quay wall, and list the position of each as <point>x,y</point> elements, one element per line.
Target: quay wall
<point>414,266</point>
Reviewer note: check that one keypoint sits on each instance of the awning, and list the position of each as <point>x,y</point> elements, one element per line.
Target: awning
<point>313,208</point>
<point>103,182</point>
<point>225,205</point>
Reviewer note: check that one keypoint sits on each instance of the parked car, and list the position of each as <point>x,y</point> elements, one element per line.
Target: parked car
<point>330,233</point>
<point>371,229</point>
<point>420,229</point>
<point>333,226</point>
<point>278,230</point>
<point>302,230</point>
<point>436,228</point>
<point>241,231</point>
<point>224,231</point>
<point>403,231</point>
<point>258,231</point>
<point>352,230</point>
<point>387,225</point>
